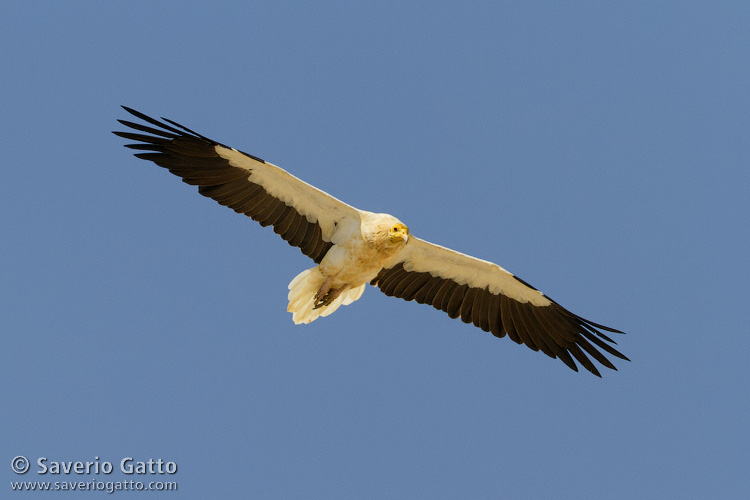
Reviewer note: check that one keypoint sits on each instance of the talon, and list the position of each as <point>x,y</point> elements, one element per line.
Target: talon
<point>326,294</point>
<point>320,294</point>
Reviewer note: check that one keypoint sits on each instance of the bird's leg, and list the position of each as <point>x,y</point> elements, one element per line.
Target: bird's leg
<point>320,294</point>
<point>332,294</point>
<point>326,294</point>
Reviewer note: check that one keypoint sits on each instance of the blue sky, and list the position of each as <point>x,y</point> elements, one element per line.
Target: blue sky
<point>599,150</point>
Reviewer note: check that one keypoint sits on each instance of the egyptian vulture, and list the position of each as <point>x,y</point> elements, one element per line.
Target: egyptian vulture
<point>353,247</point>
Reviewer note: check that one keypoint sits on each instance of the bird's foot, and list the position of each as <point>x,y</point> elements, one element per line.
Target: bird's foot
<point>323,290</point>
<point>326,294</point>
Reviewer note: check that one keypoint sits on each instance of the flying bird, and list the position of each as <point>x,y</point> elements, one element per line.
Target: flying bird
<point>353,247</point>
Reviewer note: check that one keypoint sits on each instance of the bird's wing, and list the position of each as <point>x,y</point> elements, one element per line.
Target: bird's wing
<point>496,301</point>
<point>303,215</point>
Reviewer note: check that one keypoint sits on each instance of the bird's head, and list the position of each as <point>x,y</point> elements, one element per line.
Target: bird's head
<point>397,233</point>
<point>384,232</point>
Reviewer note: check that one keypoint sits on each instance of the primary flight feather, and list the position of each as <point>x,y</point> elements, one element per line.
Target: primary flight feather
<point>353,247</point>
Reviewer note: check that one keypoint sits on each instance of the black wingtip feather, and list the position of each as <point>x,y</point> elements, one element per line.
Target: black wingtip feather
<point>602,345</point>
<point>597,325</point>
<point>152,121</point>
<point>148,130</point>
<point>183,127</point>
<point>564,356</point>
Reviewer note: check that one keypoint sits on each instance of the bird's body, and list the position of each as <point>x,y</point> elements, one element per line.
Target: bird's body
<point>365,246</point>
<point>353,247</point>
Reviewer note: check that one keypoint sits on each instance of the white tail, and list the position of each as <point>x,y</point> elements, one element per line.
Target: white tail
<point>302,290</point>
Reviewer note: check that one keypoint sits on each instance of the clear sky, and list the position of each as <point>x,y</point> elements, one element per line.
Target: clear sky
<point>598,150</point>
